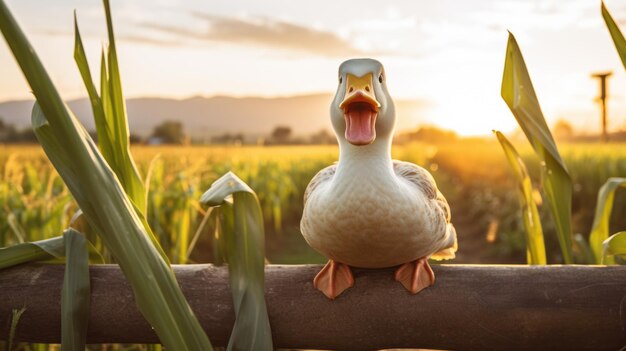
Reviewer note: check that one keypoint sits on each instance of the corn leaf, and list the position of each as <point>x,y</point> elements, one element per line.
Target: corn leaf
<point>126,169</point>
<point>109,113</point>
<point>34,251</point>
<point>201,228</point>
<point>583,249</point>
<point>615,245</point>
<point>604,206</point>
<point>15,319</point>
<point>243,232</point>
<point>535,247</point>
<point>519,95</point>
<point>105,143</point>
<point>52,250</point>
<point>106,206</point>
<point>616,34</point>
<point>16,228</point>
<point>75,293</point>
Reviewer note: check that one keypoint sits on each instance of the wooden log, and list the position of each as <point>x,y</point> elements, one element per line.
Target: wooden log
<point>469,308</point>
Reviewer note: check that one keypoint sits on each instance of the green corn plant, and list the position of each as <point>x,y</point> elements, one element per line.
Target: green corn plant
<point>182,220</point>
<point>616,33</point>
<point>32,251</point>
<point>35,206</point>
<point>614,246</point>
<point>157,202</point>
<point>600,227</point>
<point>103,200</point>
<point>16,228</point>
<point>15,319</point>
<point>51,250</point>
<point>109,111</point>
<point>535,247</point>
<point>244,242</point>
<point>519,94</point>
<point>77,252</point>
<point>75,293</point>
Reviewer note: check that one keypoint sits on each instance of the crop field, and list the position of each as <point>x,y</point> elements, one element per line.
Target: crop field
<point>473,175</point>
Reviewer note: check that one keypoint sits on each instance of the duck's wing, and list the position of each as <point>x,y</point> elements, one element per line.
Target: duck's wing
<point>325,175</point>
<point>424,181</point>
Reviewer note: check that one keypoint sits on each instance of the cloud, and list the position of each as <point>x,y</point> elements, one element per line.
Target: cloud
<point>264,32</point>
<point>536,15</point>
<point>134,38</point>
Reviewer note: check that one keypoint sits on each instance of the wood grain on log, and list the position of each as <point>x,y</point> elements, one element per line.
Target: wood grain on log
<point>468,308</point>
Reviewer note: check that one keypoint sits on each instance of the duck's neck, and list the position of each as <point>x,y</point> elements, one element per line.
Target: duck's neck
<point>365,161</point>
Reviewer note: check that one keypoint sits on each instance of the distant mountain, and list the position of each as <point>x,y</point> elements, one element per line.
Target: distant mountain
<point>204,117</point>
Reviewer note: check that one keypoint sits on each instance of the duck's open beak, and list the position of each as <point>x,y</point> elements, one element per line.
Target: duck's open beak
<point>360,109</point>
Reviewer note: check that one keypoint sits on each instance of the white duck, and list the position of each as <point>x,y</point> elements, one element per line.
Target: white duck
<point>368,210</point>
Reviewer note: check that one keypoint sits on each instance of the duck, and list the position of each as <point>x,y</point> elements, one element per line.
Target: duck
<point>368,210</point>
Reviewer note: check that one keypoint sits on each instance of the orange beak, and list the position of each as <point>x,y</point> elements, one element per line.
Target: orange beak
<point>360,110</point>
<point>359,89</point>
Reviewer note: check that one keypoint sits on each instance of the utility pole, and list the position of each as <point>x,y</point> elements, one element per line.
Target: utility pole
<point>602,99</point>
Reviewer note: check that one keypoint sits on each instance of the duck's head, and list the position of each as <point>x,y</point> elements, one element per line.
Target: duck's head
<point>362,111</point>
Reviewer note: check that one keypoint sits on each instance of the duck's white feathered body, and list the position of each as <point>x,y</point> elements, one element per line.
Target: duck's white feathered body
<point>368,210</point>
<point>375,217</point>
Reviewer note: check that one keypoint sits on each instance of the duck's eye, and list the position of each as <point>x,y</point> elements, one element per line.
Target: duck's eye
<point>380,78</point>
<point>340,79</point>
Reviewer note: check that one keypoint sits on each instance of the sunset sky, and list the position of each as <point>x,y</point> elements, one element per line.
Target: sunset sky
<point>447,54</point>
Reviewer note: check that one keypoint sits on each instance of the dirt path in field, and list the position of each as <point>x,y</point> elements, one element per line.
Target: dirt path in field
<point>474,246</point>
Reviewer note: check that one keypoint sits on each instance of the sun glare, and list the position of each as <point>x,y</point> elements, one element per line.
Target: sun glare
<point>468,117</point>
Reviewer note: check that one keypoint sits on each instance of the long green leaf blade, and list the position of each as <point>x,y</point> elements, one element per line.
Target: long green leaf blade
<point>107,124</point>
<point>615,245</point>
<point>16,228</point>
<point>535,247</point>
<point>104,140</point>
<point>616,34</point>
<point>519,95</point>
<point>126,169</point>
<point>15,320</point>
<point>34,251</point>
<point>604,206</point>
<point>75,293</point>
<point>103,200</point>
<point>243,229</point>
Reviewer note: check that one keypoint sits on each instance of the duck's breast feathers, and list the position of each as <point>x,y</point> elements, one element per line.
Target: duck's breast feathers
<point>322,177</point>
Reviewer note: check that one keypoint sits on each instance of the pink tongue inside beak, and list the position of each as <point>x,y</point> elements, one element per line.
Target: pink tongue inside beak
<point>360,121</point>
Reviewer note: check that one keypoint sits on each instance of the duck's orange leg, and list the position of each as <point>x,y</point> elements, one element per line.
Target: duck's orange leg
<point>333,279</point>
<point>415,275</point>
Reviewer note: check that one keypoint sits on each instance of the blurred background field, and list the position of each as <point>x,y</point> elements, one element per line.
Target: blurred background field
<point>472,173</point>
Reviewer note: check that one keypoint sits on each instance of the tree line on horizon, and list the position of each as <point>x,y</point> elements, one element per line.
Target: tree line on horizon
<point>173,133</point>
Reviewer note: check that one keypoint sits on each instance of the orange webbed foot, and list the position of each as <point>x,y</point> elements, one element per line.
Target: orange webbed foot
<point>333,279</point>
<point>415,275</point>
